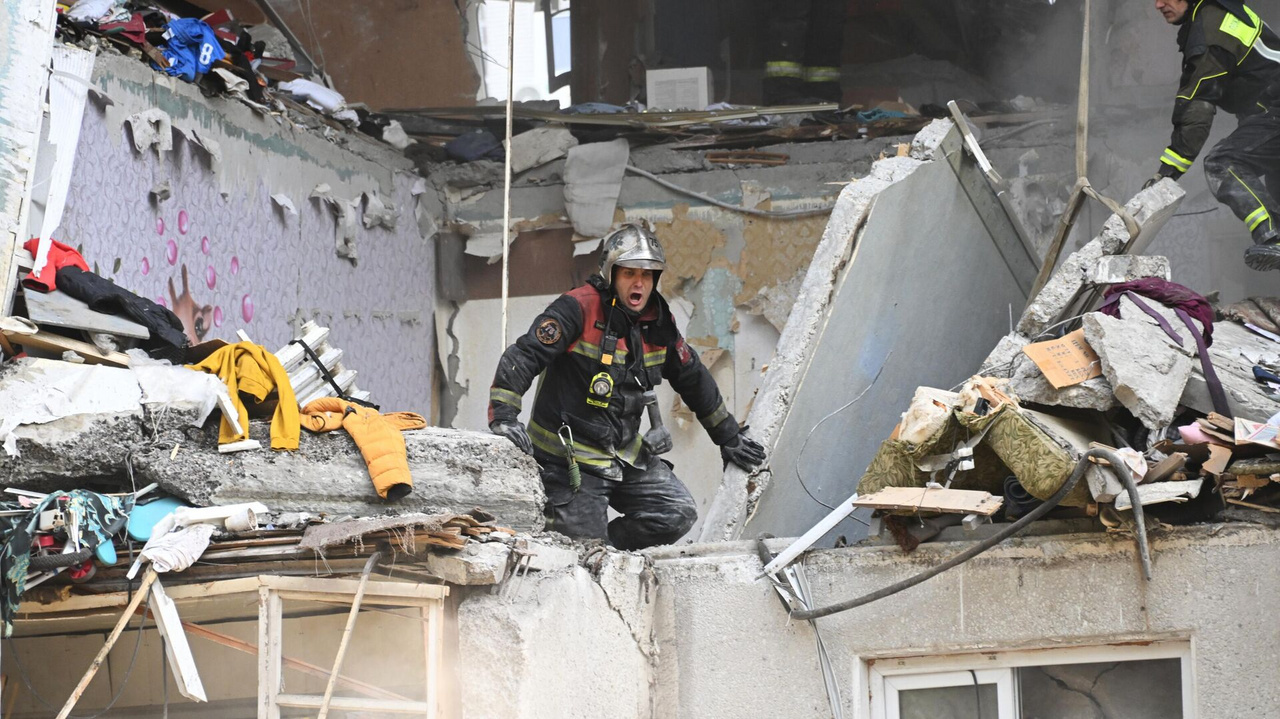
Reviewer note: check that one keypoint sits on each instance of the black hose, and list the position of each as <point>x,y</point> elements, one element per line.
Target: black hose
<point>45,562</point>
<point>1122,471</point>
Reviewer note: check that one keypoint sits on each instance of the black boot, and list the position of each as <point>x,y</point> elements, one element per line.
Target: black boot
<point>1265,253</point>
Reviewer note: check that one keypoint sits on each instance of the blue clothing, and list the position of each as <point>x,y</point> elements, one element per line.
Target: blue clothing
<point>192,48</point>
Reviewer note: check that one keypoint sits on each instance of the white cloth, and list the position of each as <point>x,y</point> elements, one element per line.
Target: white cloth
<point>37,391</point>
<point>317,95</point>
<point>175,551</point>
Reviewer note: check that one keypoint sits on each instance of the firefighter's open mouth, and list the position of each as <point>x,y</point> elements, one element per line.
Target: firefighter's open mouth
<point>634,298</point>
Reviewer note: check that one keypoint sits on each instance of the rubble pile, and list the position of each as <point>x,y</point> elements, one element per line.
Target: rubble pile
<point>1109,355</point>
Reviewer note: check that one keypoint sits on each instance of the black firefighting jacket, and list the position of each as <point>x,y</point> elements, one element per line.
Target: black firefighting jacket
<point>566,345</point>
<point>1229,60</point>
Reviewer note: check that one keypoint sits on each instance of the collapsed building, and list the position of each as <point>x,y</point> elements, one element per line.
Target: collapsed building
<point>898,348</point>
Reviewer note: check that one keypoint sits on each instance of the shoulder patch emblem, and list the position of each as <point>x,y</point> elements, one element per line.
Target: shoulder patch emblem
<point>685,354</point>
<point>548,331</point>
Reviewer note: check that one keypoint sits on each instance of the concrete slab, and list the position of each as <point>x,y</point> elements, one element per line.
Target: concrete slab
<point>453,470</point>
<point>919,298</point>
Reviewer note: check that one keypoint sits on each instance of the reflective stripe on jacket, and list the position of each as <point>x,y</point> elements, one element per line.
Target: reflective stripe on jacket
<point>565,345</point>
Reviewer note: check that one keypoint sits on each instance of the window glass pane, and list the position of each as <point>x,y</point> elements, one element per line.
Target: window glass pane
<point>949,703</point>
<point>1150,689</point>
<point>561,42</point>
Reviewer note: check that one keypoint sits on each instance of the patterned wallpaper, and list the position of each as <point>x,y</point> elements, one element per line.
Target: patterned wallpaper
<point>242,262</point>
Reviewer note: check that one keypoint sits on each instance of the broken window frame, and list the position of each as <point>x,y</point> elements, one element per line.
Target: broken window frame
<point>1006,698</point>
<point>879,678</point>
<point>554,81</point>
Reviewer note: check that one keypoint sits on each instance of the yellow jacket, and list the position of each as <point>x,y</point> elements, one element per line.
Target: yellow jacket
<point>377,436</point>
<point>249,368</point>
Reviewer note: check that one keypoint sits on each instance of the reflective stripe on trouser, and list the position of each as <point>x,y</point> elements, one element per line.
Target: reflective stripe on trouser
<point>822,74</point>
<point>1236,168</point>
<point>1174,160</point>
<point>783,68</point>
<point>586,454</point>
<point>1257,217</point>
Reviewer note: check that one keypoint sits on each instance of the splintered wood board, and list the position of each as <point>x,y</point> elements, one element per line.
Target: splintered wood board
<point>57,343</point>
<point>62,310</point>
<point>952,501</point>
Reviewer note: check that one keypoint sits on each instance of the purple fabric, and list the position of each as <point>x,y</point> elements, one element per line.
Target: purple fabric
<point>1170,294</point>
<point>1187,305</point>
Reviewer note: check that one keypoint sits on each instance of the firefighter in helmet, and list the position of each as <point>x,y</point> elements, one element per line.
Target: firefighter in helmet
<point>602,349</point>
<point>1230,60</point>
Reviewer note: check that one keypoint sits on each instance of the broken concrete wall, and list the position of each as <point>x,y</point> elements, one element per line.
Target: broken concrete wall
<point>560,644</point>
<point>240,243</point>
<point>732,280</point>
<point>1040,592</point>
<point>908,288</point>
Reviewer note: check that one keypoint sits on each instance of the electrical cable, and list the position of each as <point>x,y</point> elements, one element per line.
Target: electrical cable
<point>776,214</point>
<point>847,405</point>
<point>977,694</point>
<point>1117,465</point>
<point>26,680</point>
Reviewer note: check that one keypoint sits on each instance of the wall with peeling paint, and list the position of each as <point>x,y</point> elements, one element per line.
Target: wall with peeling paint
<point>225,252</point>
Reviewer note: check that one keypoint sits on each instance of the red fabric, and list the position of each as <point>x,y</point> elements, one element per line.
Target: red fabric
<point>59,256</point>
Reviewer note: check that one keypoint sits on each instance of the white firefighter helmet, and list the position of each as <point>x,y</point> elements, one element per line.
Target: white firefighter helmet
<point>631,246</point>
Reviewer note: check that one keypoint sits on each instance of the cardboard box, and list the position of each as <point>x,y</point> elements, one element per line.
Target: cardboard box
<point>681,88</point>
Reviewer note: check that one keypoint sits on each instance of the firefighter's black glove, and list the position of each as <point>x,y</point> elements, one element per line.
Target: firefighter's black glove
<point>1165,171</point>
<point>658,441</point>
<point>514,431</point>
<point>743,451</point>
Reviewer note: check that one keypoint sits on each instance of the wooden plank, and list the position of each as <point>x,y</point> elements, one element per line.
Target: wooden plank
<point>81,602</point>
<point>954,501</point>
<point>270,619</point>
<point>353,704</point>
<point>57,343</point>
<point>176,648</point>
<point>1251,505</point>
<point>348,587</point>
<point>59,309</point>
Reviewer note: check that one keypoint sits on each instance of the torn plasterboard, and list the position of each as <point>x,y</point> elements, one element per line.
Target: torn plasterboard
<point>207,144</point>
<point>282,201</point>
<point>151,128</point>
<point>586,247</point>
<point>427,226</point>
<point>346,213</point>
<point>486,246</point>
<point>161,191</point>
<point>592,181</point>
<point>540,146</point>
<point>379,213</point>
<point>68,89</point>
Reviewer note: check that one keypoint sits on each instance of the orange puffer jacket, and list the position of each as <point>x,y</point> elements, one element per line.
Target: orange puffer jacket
<point>377,436</point>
